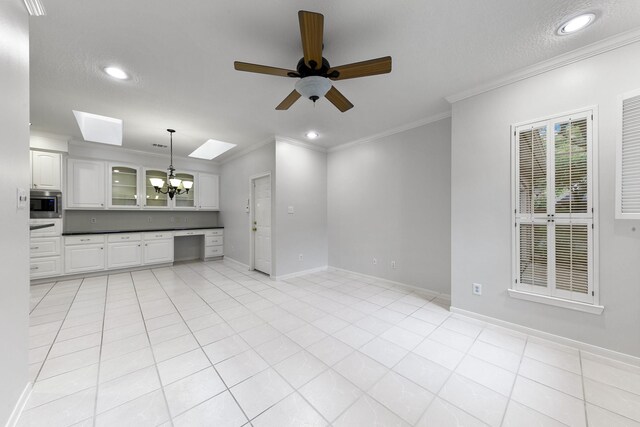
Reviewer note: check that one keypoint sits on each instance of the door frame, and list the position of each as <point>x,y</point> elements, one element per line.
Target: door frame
<point>252,212</point>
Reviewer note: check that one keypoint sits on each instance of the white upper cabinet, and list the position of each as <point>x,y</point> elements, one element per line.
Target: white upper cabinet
<point>186,200</point>
<point>85,182</point>
<point>150,198</point>
<point>208,191</point>
<point>46,170</point>
<point>124,186</point>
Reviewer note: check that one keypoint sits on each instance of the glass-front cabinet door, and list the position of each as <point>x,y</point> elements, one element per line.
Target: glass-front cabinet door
<point>186,200</point>
<point>123,187</point>
<point>153,199</point>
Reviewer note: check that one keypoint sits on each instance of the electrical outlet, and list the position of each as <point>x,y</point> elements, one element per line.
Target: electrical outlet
<point>393,264</point>
<point>300,257</point>
<point>93,220</point>
<point>375,261</point>
<point>477,289</point>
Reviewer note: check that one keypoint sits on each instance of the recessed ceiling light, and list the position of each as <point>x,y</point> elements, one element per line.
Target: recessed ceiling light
<point>577,23</point>
<point>211,149</point>
<point>95,128</point>
<point>116,73</point>
<point>312,134</point>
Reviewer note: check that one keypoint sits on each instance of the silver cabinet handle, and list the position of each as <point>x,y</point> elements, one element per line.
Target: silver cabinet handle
<point>158,235</point>
<point>33,248</point>
<point>138,245</point>
<point>101,204</point>
<point>35,268</point>
<point>85,240</point>
<point>101,248</point>
<point>125,237</point>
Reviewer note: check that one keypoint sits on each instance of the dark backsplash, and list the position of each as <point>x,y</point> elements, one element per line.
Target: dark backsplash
<point>112,220</point>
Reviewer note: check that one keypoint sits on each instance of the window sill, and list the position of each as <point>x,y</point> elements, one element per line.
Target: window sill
<point>558,302</point>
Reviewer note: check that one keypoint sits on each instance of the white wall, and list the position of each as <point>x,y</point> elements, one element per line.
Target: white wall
<point>14,249</point>
<point>481,206</point>
<point>301,183</point>
<point>234,194</point>
<point>390,199</point>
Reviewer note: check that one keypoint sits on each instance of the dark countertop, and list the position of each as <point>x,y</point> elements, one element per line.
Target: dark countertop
<point>76,233</point>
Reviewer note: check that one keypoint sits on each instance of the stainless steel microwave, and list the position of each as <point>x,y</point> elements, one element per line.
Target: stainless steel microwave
<point>45,204</point>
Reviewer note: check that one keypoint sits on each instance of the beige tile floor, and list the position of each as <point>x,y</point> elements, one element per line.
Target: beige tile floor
<point>208,343</point>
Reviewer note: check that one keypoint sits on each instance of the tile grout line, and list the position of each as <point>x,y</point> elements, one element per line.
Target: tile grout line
<point>155,362</point>
<point>104,314</point>
<point>227,388</point>
<point>515,378</point>
<point>35,379</point>
<point>295,390</point>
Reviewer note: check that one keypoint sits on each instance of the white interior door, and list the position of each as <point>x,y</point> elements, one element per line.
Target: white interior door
<point>262,224</point>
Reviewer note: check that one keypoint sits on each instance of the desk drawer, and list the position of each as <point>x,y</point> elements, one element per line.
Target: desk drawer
<point>157,235</point>
<point>84,239</point>
<point>211,251</point>
<point>188,233</point>
<point>219,232</point>
<point>124,237</point>
<point>213,240</point>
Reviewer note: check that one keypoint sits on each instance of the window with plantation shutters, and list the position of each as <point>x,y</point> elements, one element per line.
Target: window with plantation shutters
<point>628,158</point>
<point>553,212</point>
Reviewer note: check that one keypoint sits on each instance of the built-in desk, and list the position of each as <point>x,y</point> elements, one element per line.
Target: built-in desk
<point>97,251</point>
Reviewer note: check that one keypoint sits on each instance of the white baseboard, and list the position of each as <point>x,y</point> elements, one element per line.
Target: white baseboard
<point>241,264</point>
<point>300,273</point>
<point>20,404</point>
<point>429,292</point>
<point>589,348</point>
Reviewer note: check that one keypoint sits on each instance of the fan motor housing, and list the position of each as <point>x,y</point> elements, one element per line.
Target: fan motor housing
<point>305,71</point>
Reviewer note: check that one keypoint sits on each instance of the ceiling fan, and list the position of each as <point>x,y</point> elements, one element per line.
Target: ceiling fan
<point>314,71</point>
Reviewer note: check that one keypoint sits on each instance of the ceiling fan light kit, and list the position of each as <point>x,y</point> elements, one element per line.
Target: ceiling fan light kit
<point>313,87</point>
<point>314,71</point>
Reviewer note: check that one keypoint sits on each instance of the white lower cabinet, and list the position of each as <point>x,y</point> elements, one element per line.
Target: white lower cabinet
<point>84,253</point>
<point>124,250</point>
<point>158,251</point>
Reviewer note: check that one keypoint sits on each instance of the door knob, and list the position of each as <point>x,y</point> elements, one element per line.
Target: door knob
<point>254,229</point>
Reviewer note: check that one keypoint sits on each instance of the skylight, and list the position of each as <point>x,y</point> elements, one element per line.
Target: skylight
<point>211,149</point>
<point>102,129</point>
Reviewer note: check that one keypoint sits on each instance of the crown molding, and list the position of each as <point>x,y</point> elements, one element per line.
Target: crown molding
<point>580,54</point>
<point>392,131</point>
<point>83,145</point>
<point>301,144</point>
<point>247,150</point>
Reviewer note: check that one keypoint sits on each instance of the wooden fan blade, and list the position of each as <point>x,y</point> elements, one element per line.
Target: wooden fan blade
<point>263,69</point>
<point>338,99</point>
<point>311,32</point>
<point>362,69</point>
<point>288,101</point>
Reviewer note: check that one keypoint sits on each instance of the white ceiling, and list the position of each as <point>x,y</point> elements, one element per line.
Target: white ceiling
<point>181,53</point>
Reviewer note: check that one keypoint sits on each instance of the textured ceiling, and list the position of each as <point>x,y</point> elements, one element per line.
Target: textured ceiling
<point>180,54</point>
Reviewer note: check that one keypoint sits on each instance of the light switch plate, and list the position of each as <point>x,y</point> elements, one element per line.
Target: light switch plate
<point>290,210</point>
<point>22,198</point>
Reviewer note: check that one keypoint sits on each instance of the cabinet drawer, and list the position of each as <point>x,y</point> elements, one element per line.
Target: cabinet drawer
<point>45,246</point>
<point>211,251</point>
<point>54,231</point>
<point>84,239</point>
<point>46,267</point>
<point>188,233</point>
<point>214,232</point>
<point>213,240</point>
<point>125,237</point>
<point>158,235</point>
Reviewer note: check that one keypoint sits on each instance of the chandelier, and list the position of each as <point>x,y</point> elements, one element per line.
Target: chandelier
<point>174,185</point>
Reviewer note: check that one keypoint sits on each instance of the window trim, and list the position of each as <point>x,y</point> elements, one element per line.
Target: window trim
<point>514,291</point>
